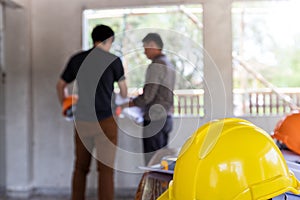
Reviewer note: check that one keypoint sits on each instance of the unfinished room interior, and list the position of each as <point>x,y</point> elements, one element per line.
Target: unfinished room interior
<point>233,59</point>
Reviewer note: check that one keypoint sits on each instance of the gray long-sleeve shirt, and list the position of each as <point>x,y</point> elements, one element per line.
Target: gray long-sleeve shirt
<point>157,97</point>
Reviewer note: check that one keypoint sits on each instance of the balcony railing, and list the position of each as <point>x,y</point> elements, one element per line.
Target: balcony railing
<point>265,102</point>
<point>189,102</point>
<point>259,102</point>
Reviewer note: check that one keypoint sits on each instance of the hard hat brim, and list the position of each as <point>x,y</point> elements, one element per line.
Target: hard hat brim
<point>164,196</point>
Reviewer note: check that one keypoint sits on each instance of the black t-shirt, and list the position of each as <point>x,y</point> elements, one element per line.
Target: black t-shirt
<point>95,71</point>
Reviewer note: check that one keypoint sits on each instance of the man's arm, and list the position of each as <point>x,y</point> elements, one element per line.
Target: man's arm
<point>123,88</point>
<point>62,90</point>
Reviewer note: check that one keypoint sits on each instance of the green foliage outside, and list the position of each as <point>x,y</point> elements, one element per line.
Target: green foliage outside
<point>189,74</point>
<point>267,35</point>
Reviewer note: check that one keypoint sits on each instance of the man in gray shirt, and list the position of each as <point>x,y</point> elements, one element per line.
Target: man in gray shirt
<point>157,97</point>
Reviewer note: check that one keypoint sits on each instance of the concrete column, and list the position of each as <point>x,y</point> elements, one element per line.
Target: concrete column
<point>218,58</point>
<point>18,98</point>
<point>2,114</point>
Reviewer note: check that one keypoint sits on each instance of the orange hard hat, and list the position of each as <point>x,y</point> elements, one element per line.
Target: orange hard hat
<point>287,131</point>
<point>68,103</point>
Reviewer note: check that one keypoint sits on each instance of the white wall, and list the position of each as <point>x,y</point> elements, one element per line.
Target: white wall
<point>2,121</point>
<point>18,101</point>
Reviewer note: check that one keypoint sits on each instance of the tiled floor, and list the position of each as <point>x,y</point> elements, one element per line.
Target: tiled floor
<point>289,197</point>
<point>58,198</point>
<point>120,194</point>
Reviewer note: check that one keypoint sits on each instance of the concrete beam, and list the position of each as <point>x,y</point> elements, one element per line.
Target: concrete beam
<point>10,4</point>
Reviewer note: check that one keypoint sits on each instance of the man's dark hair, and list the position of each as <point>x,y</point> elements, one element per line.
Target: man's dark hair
<point>102,32</point>
<point>155,38</point>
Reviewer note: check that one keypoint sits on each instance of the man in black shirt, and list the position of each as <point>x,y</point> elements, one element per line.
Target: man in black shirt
<point>95,72</point>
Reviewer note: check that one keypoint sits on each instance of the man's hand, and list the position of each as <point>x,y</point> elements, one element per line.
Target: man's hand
<point>126,105</point>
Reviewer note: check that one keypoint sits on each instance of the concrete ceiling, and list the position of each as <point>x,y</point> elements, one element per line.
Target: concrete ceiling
<point>10,4</point>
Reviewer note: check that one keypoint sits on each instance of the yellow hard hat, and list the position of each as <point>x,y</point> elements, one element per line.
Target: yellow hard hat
<point>230,159</point>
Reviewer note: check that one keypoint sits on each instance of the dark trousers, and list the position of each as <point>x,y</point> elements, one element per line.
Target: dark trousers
<point>89,135</point>
<point>156,135</point>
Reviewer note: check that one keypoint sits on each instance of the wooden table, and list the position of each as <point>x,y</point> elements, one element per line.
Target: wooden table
<point>152,185</point>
